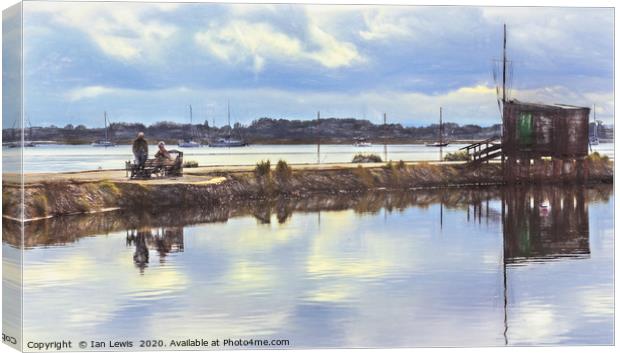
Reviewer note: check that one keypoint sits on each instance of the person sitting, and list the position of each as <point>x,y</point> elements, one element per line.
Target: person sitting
<point>162,155</point>
<point>140,149</point>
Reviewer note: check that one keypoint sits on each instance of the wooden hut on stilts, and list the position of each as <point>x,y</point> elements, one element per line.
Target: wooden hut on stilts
<point>539,142</point>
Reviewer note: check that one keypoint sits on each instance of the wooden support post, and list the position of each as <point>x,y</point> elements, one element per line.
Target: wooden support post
<point>582,170</point>
<point>557,168</point>
<point>538,170</point>
<point>526,171</point>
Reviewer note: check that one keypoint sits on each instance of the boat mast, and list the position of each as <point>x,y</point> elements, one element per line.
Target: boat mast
<point>229,127</point>
<point>384,136</point>
<point>440,127</point>
<point>191,128</point>
<point>318,132</point>
<point>595,123</point>
<point>504,70</point>
<point>105,124</point>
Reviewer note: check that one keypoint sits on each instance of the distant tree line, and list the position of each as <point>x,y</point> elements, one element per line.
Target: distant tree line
<point>271,131</point>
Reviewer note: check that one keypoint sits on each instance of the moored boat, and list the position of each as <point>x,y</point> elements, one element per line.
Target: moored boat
<point>441,142</point>
<point>105,142</point>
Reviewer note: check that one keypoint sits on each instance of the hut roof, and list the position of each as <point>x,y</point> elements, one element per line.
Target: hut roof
<point>542,106</point>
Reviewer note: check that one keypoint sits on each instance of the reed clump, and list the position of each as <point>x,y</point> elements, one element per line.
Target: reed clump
<point>597,157</point>
<point>366,158</point>
<point>284,172</point>
<point>263,169</point>
<point>364,176</point>
<point>190,164</point>
<point>457,156</point>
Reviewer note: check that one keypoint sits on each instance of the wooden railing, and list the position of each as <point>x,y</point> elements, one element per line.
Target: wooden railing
<point>484,150</point>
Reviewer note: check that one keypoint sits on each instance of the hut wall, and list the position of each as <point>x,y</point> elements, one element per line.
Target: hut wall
<point>536,130</point>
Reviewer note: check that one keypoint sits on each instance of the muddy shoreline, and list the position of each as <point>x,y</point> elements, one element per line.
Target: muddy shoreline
<point>53,198</point>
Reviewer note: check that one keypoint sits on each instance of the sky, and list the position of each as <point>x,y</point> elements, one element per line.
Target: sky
<point>144,62</point>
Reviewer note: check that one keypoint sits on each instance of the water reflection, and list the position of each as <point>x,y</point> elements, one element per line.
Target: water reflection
<point>545,223</point>
<point>486,266</point>
<point>164,240</point>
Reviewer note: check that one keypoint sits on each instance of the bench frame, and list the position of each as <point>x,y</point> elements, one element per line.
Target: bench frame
<point>159,168</point>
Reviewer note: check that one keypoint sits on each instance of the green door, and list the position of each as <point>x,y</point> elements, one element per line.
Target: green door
<point>525,128</point>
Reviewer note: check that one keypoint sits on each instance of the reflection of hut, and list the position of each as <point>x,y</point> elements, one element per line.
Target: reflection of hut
<point>545,224</point>
<point>532,132</point>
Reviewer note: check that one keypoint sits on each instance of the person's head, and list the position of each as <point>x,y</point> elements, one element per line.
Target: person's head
<point>161,145</point>
<point>140,135</point>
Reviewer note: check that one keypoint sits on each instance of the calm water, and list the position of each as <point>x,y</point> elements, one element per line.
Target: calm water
<point>61,158</point>
<point>430,268</point>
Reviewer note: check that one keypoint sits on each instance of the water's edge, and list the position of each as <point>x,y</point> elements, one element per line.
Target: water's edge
<point>66,197</point>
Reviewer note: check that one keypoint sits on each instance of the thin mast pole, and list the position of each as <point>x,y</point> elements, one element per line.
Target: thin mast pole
<point>504,70</point>
<point>105,124</point>
<point>595,123</point>
<point>440,126</point>
<point>318,132</point>
<point>385,155</point>
<point>229,127</point>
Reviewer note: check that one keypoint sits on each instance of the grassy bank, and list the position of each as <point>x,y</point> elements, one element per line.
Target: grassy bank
<point>69,196</point>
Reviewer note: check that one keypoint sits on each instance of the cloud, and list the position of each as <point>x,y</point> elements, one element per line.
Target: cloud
<point>476,104</point>
<point>284,60</point>
<point>384,23</point>
<point>122,31</point>
<point>88,92</point>
<point>241,41</point>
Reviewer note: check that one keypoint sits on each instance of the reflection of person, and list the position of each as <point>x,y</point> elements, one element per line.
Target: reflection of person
<point>141,255</point>
<point>140,149</point>
<point>163,153</point>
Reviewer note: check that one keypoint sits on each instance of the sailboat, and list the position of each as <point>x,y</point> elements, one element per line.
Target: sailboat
<point>594,138</point>
<point>27,138</point>
<point>227,141</point>
<point>362,142</point>
<point>106,141</point>
<point>189,142</point>
<point>441,142</point>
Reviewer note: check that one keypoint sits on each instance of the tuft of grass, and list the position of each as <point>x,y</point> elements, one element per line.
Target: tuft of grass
<point>366,158</point>
<point>401,165</point>
<point>190,164</point>
<point>457,156</point>
<point>597,157</point>
<point>365,176</point>
<point>263,169</point>
<point>283,170</point>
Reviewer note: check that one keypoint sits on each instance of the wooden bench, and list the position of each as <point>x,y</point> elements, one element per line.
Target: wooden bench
<point>158,167</point>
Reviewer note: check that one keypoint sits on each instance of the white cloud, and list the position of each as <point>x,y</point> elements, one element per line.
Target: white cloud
<point>567,32</point>
<point>382,23</point>
<point>88,92</point>
<point>240,41</point>
<point>471,104</point>
<point>122,31</point>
